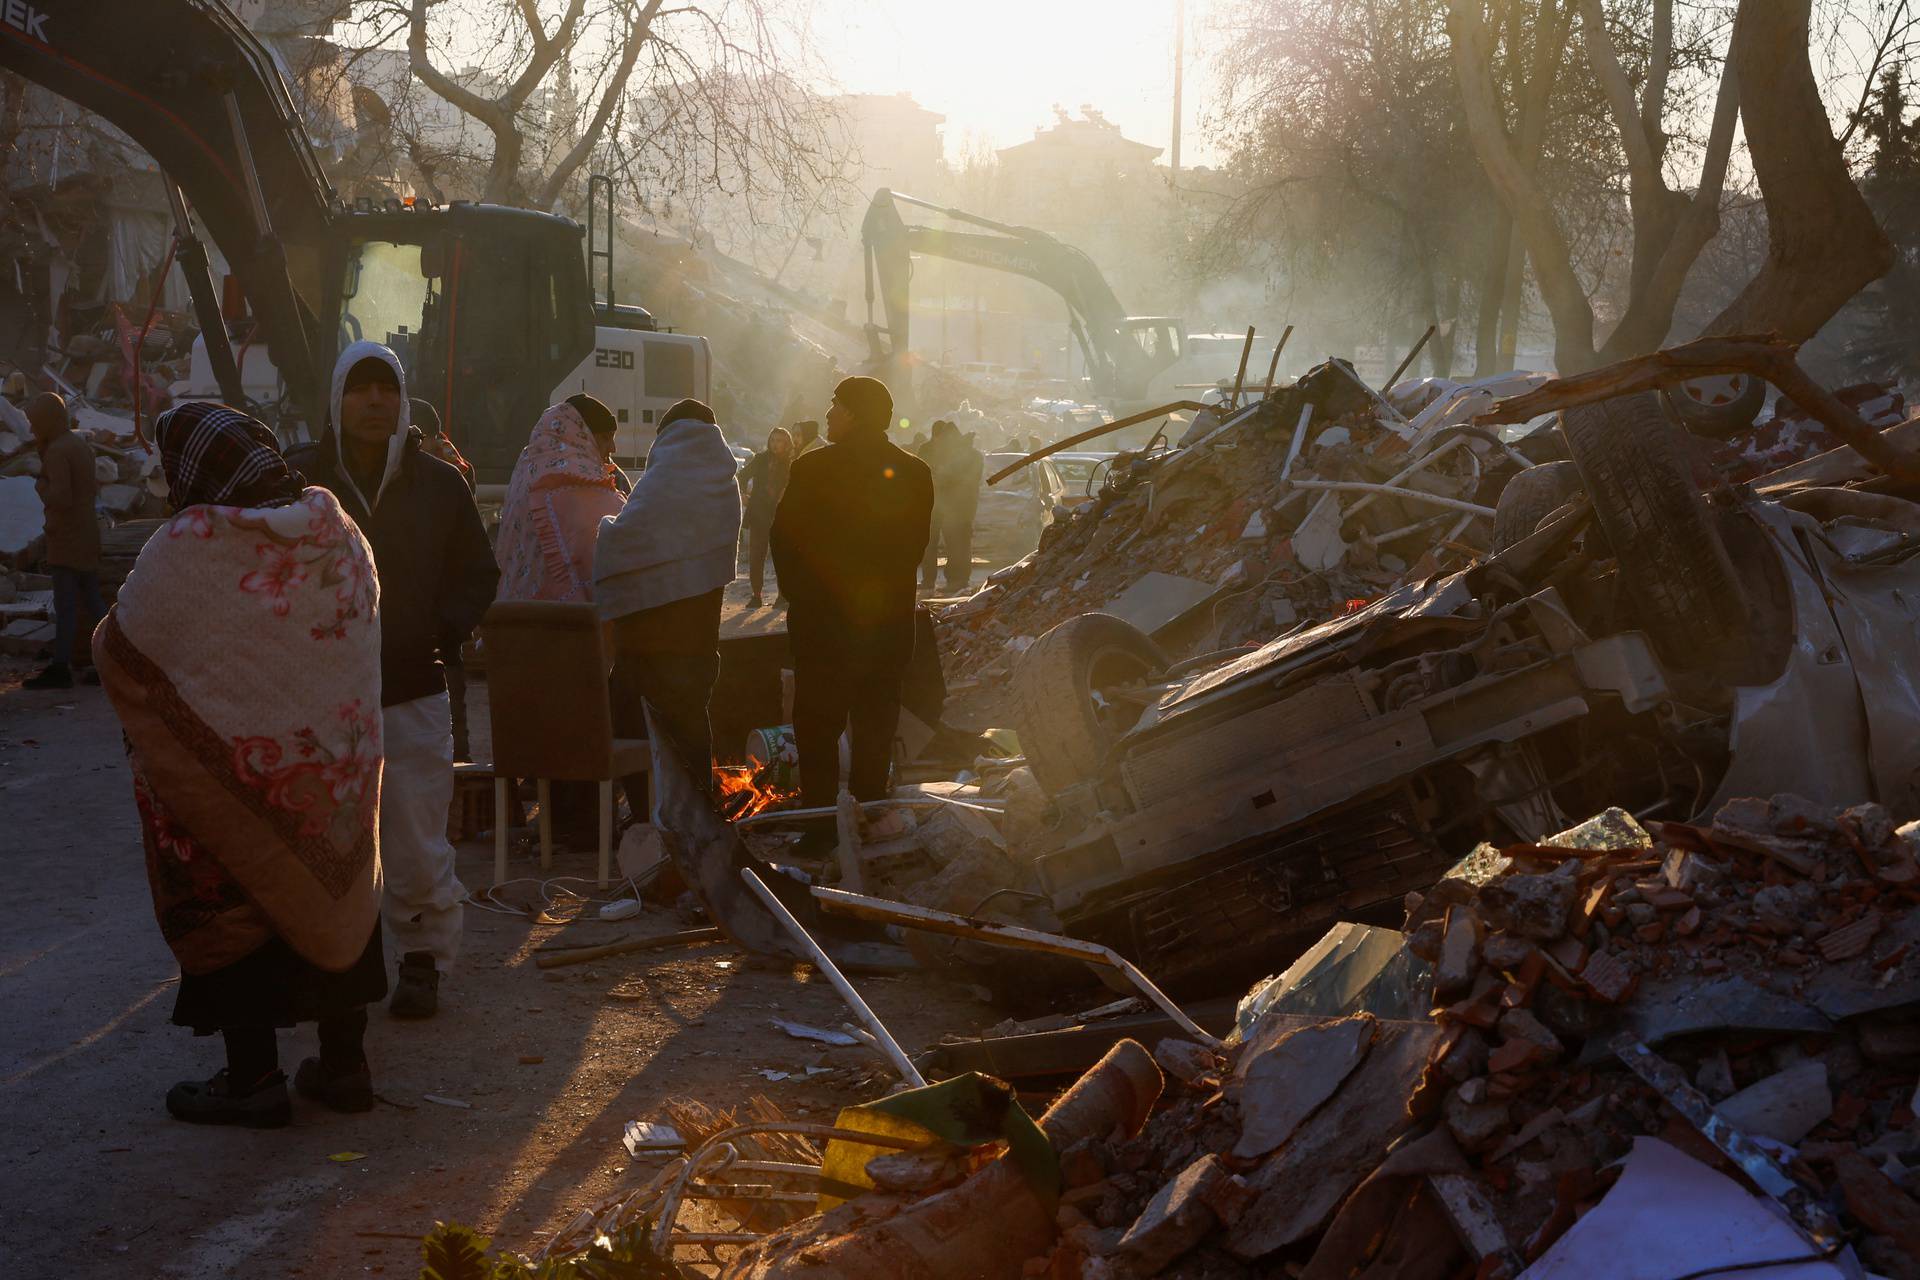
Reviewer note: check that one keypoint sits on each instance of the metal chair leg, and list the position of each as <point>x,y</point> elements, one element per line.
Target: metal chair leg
<point>606,830</point>
<point>499,830</point>
<point>544,791</point>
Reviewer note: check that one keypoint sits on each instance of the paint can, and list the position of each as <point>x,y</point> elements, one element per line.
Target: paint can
<point>773,756</point>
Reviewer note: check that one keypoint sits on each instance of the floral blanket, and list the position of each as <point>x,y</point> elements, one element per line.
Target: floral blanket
<point>243,658</point>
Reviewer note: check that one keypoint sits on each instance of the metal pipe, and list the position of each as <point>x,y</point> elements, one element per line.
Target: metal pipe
<point>1421,463</point>
<point>1299,438</point>
<point>1273,365</point>
<point>1411,356</point>
<point>905,802</point>
<point>1240,378</point>
<point>1418,526</point>
<point>1355,486</point>
<point>1092,433</point>
<point>1008,935</point>
<point>824,962</point>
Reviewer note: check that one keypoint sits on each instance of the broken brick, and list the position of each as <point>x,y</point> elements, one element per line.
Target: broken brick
<point>1874,1200</point>
<point>1850,940</point>
<point>1513,1055</point>
<point>1607,976</point>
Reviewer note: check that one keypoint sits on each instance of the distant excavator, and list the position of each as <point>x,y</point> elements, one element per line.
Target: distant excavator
<point>1122,352</point>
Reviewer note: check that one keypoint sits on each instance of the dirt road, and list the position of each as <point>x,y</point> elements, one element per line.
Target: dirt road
<point>99,1181</point>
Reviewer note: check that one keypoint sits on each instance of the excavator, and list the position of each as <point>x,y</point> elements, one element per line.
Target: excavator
<point>1122,352</point>
<point>490,307</point>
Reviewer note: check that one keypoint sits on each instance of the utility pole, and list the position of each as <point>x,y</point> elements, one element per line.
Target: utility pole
<point>1179,72</point>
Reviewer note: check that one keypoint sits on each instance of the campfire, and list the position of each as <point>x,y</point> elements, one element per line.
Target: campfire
<point>742,790</point>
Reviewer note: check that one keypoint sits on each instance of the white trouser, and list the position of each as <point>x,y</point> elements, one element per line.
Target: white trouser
<point>423,896</point>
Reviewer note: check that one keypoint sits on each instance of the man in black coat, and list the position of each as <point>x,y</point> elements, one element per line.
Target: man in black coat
<point>437,577</point>
<point>847,540</point>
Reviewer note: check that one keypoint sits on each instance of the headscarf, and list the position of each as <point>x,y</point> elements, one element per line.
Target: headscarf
<point>216,456</point>
<point>533,546</point>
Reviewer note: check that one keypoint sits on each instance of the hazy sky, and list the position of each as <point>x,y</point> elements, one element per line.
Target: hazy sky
<point>995,68</point>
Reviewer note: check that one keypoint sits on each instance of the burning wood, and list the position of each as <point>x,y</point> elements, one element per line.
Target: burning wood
<point>741,791</point>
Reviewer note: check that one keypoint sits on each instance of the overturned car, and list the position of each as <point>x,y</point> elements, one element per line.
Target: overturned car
<point>1630,642</point>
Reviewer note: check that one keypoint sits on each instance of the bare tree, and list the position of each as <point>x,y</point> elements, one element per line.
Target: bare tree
<point>1669,227</point>
<point>559,86</point>
<point>1824,245</point>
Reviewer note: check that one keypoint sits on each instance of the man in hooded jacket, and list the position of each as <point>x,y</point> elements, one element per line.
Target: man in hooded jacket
<point>437,577</point>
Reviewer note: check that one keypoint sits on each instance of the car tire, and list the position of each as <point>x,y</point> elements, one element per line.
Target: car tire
<point>1735,400</point>
<point>1672,562</point>
<point>1530,497</point>
<point>1053,688</point>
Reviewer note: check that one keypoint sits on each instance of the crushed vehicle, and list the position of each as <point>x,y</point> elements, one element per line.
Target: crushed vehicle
<point>1630,641</point>
<point>1008,522</point>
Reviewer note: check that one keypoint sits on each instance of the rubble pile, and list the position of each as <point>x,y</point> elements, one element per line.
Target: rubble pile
<point>1579,1050</point>
<point>128,472</point>
<point>130,503</point>
<point>1789,434</point>
<point>1746,993</point>
<point>1238,520</point>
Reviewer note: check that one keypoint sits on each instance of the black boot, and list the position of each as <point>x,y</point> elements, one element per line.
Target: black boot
<point>57,675</point>
<point>416,994</point>
<point>348,1091</point>
<point>215,1101</point>
<point>340,1077</point>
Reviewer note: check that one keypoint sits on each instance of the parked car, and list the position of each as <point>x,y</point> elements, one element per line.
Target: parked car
<point>1636,644</point>
<point>1013,513</point>
<point>1082,473</point>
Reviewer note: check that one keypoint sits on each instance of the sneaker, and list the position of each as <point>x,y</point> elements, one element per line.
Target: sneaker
<point>57,675</point>
<point>214,1102</point>
<point>756,601</point>
<point>417,992</point>
<point>348,1091</point>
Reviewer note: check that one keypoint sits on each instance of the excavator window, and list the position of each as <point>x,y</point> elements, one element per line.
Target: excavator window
<point>388,296</point>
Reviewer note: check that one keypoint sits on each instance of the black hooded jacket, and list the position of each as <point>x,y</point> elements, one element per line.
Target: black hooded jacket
<point>430,549</point>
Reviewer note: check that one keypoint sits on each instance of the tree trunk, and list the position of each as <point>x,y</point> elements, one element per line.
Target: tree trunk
<point>1823,245</point>
<point>1493,292</point>
<point>1560,286</point>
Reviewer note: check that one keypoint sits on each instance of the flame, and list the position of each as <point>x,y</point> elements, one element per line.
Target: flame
<point>742,792</point>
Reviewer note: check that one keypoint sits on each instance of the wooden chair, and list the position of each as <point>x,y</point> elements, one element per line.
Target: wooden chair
<point>550,714</point>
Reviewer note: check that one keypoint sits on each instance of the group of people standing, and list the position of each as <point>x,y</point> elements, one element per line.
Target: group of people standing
<point>293,779</point>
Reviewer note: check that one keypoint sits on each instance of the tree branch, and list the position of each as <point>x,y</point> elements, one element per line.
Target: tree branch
<point>1653,96</point>
<point>421,65</point>
<point>1643,170</point>
<point>638,34</point>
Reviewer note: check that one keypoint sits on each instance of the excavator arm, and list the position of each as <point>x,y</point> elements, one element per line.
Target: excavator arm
<point>200,94</point>
<point>1121,352</point>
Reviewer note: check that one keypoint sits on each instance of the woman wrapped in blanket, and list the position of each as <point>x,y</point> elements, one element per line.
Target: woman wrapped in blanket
<point>243,659</point>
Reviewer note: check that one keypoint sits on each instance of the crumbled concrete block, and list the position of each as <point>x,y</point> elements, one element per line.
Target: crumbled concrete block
<point>1474,1125</point>
<point>1785,1106</point>
<point>1459,956</point>
<point>1532,906</point>
<point>1185,1060</point>
<point>1176,1219</point>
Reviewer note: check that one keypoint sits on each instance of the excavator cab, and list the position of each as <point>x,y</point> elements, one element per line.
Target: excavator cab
<point>1161,339</point>
<point>486,306</point>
